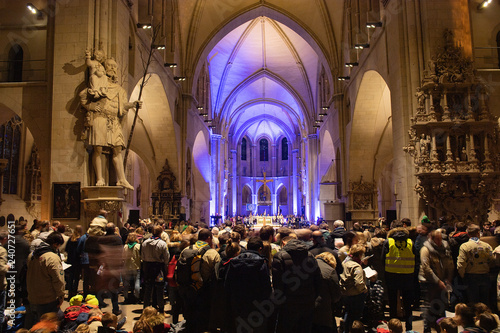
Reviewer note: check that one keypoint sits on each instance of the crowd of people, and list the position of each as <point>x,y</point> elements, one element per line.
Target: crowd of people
<point>230,278</point>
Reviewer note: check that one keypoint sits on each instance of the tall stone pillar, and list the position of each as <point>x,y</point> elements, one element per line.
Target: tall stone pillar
<point>253,160</point>
<point>234,183</point>
<point>295,184</point>
<point>215,181</point>
<point>274,165</point>
<point>312,176</point>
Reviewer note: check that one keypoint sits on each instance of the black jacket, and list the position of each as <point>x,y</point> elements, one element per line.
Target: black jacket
<point>247,280</point>
<point>296,274</point>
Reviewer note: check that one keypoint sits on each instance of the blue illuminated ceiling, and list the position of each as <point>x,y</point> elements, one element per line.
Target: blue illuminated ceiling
<point>263,78</point>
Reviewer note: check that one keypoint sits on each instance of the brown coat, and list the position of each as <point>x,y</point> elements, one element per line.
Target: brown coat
<point>436,266</point>
<point>45,278</point>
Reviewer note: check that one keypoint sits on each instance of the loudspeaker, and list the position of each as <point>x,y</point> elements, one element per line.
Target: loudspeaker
<point>133,217</point>
<point>391,215</point>
<point>348,216</point>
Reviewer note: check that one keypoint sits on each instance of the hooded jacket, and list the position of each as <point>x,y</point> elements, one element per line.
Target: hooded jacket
<point>45,277</point>
<point>247,280</point>
<point>296,273</point>
<point>329,294</point>
<point>436,263</point>
<point>399,235</point>
<point>455,242</point>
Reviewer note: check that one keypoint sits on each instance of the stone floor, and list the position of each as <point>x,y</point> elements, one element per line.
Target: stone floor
<point>133,311</point>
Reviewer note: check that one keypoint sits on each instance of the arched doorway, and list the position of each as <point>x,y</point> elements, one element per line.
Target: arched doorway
<point>246,199</point>
<point>264,200</point>
<point>283,201</point>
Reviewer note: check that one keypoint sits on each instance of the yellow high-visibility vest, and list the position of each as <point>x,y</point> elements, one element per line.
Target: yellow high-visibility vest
<point>400,258</point>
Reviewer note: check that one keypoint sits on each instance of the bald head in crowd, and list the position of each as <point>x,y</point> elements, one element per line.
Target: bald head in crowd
<point>317,237</point>
<point>303,234</point>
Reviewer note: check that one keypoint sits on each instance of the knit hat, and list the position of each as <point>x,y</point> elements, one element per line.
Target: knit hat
<point>91,299</point>
<point>425,220</point>
<point>76,300</point>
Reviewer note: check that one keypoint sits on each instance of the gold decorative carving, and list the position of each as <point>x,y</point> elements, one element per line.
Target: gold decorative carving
<point>454,138</point>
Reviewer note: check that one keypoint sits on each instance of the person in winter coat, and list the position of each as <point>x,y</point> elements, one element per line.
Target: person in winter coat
<point>319,246</point>
<point>459,237</point>
<point>131,276</point>
<point>399,259</point>
<point>473,264</point>
<point>350,238</point>
<point>296,278</point>
<point>73,272</point>
<point>329,294</point>
<point>375,247</point>
<point>45,279</point>
<point>353,285</point>
<point>110,267</point>
<point>247,283</point>
<point>436,272</point>
<point>337,233</point>
<point>155,257</point>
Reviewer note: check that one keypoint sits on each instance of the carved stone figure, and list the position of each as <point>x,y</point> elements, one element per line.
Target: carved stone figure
<point>103,121</point>
<point>463,154</point>
<point>420,98</point>
<point>424,145</point>
<point>98,81</point>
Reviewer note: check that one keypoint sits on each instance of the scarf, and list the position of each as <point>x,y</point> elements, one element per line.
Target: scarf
<point>200,244</point>
<point>131,245</point>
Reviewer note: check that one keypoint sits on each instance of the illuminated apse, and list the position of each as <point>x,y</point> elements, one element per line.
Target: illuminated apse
<point>263,81</point>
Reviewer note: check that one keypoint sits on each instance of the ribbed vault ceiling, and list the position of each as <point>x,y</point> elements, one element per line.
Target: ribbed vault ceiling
<point>263,74</point>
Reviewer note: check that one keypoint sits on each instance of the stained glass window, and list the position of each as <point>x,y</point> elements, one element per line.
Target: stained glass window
<point>244,149</point>
<point>264,150</point>
<point>10,136</point>
<point>284,149</point>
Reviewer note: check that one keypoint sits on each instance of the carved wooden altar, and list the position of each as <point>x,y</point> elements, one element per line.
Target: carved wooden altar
<point>363,201</point>
<point>166,197</point>
<point>454,139</point>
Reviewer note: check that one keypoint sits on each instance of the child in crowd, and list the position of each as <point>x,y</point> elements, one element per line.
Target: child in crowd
<point>448,325</point>
<point>374,304</point>
<point>395,326</point>
<point>82,328</point>
<point>357,327</point>
<point>109,322</point>
<point>49,322</point>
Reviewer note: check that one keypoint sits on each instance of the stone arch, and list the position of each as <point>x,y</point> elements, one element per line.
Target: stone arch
<point>326,157</point>
<point>154,137</point>
<point>246,194</point>
<point>370,143</point>
<point>201,177</point>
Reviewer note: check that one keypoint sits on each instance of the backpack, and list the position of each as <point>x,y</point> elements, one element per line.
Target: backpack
<point>171,272</point>
<point>188,267</point>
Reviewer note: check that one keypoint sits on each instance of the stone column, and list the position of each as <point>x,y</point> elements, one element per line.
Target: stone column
<point>253,160</point>
<point>294,174</point>
<point>234,181</point>
<point>312,176</point>
<point>274,165</point>
<point>274,198</point>
<point>215,181</point>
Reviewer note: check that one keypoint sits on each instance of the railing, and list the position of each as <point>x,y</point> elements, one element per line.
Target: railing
<point>487,57</point>
<point>22,70</point>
